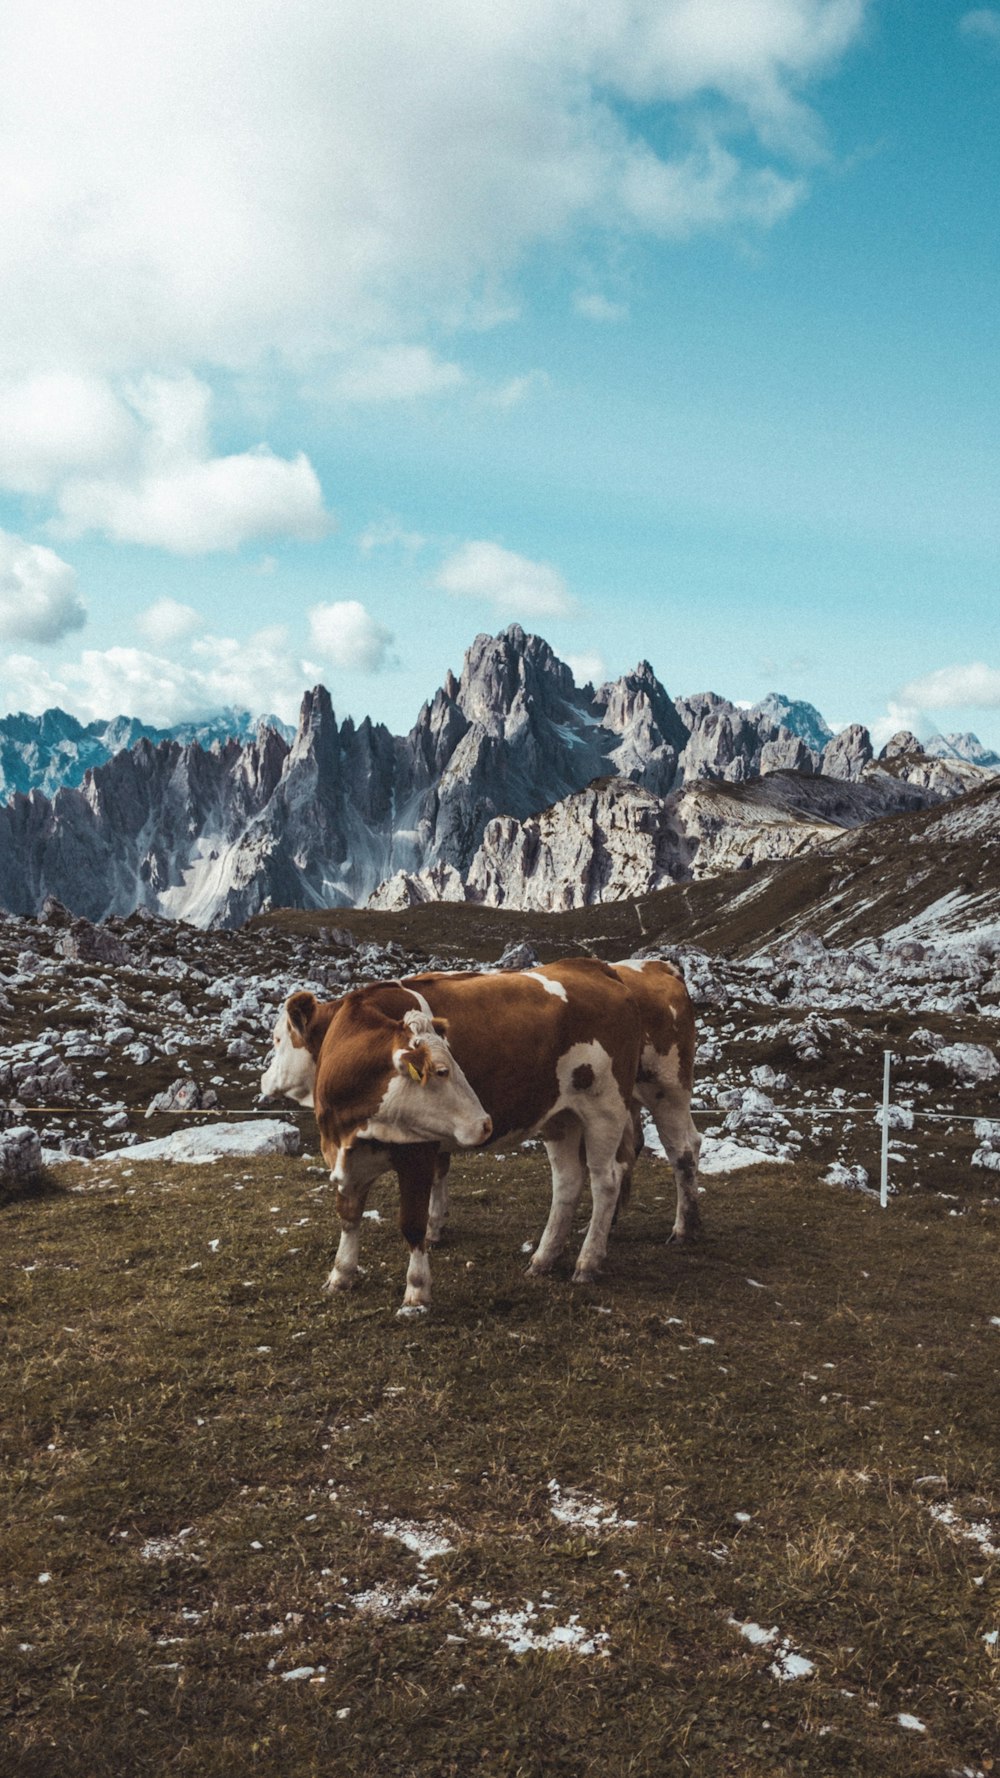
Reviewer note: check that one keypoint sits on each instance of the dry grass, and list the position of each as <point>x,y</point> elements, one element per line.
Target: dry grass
<point>199,1450</point>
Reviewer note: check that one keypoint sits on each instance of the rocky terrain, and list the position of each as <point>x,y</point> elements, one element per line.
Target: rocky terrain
<point>514,788</point>
<point>803,973</point>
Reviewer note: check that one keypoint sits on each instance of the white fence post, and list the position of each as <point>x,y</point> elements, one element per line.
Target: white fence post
<point>884,1189</point>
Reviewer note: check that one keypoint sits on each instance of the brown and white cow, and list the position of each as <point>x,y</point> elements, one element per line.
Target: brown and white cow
<point>387,1076</point>
<point>663,1087</point>
<point>552,1052</point>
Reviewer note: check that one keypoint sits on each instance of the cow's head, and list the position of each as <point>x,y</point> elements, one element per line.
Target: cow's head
<point>298,1038</point>
<point>376,1079</point>
<point>393,1080</point>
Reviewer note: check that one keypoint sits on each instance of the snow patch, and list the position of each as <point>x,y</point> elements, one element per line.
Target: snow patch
<point>584,1511</point>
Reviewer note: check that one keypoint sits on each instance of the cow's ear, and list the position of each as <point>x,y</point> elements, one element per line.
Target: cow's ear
<point>440,1026</point>
<point>301,1010</point>
<point>413,1064</point>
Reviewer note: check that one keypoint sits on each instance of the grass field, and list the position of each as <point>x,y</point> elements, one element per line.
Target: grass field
<point>250,1529</point>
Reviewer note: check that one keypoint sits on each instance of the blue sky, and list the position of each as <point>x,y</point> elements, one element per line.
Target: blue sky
<point>338,333</point>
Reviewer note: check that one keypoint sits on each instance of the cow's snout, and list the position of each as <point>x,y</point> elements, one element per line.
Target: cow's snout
<point>487,1130</point>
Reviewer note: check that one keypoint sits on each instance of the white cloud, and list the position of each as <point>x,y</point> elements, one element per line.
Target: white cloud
<point>389,533</point>
<point>180,186</point>
<point>982,25</point>
<point>166,621</point>
<point>898,717</point>
<point>348,636</point>
<point>708,188</point>
<point>258,673</point>
<point>176,496</point>
<point>38,597</point>
<point>397,373</point>
<point>512,584</point>
<point>196,507</point>
<point>516,390</point>
<point>596,307</point>
<point>55,424</point>
<point>974,685</point>
<point>587,668</point>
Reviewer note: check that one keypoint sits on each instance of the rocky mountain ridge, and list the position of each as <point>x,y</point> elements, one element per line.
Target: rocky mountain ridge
<point>54,750</point>
<point>636,789</point>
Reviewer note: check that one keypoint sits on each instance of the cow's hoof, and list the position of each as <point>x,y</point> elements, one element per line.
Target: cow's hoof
<point>587,1275</point>
<point>539,1272</point>
<point>338,1281</point>
<point>436,1239</point>
<point>409,1310</point>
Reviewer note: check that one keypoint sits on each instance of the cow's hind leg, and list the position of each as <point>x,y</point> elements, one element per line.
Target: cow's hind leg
<point>607,1146</point>
<point>670,1108</point>
<point>437,1214</point>
<point>414,1164</point>
<point>565,1151</point>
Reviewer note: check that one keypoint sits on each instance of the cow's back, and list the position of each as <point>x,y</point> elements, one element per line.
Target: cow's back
<point>511,1030</point>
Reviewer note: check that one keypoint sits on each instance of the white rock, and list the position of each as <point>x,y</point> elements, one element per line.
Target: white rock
<point>260,1137</point>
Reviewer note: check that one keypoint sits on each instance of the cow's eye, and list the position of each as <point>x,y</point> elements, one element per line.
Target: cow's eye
<point>442,1072</point>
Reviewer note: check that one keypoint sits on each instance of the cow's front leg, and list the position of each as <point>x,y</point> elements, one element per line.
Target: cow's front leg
<point>415,1163</point>
<point>351,1201</point>
<point>437,1215</point>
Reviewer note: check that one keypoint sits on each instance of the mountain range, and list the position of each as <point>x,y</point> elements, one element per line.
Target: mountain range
<point>514,787</point>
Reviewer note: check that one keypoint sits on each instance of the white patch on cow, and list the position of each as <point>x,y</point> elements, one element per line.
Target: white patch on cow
<point>421,1002</point>
<point>602,1114</point>
<point>291,1072</point>
<point>666,1070</point>
<point>421,1023</point>
<point>345,1266</point>
<point>418,1280</point>
<point>546,982</point>
<point>636,963</point>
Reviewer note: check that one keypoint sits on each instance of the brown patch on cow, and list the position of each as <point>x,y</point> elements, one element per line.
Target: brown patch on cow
<point>309,1020</point>
<point>300,1009</point>
<point>414,1163</point>
<point>582,1078</point>
<point>355,1066</point>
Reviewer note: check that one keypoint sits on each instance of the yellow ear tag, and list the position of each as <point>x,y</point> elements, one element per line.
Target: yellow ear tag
<point>414,1073</point>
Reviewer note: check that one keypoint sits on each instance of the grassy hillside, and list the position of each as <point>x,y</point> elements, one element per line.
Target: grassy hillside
<point>211,1476</point>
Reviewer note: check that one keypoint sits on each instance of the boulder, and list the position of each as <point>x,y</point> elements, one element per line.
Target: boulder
<point>20,1154</point>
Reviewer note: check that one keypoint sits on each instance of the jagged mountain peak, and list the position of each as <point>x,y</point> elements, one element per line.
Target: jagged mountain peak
<point>799,718</point>
<point>211,829</point>
<point>901,745</point>
<point>317,732</point>
<point>965,746</point>
<point>508,675</point>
